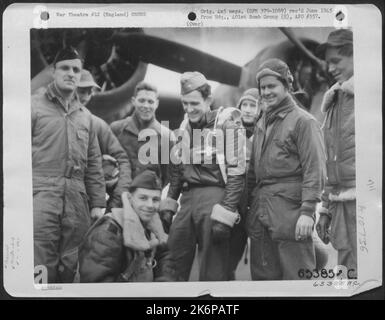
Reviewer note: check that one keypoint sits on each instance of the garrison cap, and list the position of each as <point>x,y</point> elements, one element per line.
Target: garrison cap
<point>337,38</point>
<point>191,81</point>
<point>147,180</point>
<point>67,53</point>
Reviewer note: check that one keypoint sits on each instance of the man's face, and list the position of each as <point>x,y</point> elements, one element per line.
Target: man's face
<point>272,91</point>
<point>195,105</point>
<point>145,103</point>
<point>339,66</point>
<point>85,94</point>
<point>248,110</point>
<point>146,203</point>
<point>67,74</point>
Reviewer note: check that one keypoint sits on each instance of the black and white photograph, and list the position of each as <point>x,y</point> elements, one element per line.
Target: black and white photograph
<point>209,155</point>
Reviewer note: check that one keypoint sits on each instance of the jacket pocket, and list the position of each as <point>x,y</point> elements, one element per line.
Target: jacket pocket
<point>283,210</point>
<point>82,136</point>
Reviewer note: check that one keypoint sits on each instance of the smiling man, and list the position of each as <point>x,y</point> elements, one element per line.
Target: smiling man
<point>339,200</point>
<point>129,244</point>
<point>285,180</point>
<point>67,170</point>
<point>145,102</point>
<point>210,191</point>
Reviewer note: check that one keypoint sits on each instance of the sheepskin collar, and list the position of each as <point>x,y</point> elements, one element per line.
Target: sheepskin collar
<point>134,234</point>
<point>347,86</point>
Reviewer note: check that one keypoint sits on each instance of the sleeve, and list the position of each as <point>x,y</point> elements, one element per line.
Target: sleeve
<point>94,177</point>
<point>100,256</point>
<point>324,210</point>
<point>110,145</point>
<point>175,174</point>
<point>312,157</point>
<point>251,177</point>
<point>235,160</point>
<point>163,271</point>
<point>167,139</point>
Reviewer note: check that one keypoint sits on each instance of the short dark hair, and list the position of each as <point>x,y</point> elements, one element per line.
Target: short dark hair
<point>205,90</point>
<point>145,86</point>
<point>346,50</point>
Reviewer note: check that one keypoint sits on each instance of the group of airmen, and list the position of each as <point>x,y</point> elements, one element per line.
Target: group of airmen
<point>103,214</point>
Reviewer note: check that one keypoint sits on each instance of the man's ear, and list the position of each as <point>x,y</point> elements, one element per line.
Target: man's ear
<point>209,100</point>
<point>156,104</point>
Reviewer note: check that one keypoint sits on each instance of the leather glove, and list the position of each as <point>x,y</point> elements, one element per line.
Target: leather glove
<point>166,218</point>
<point>220,232</point>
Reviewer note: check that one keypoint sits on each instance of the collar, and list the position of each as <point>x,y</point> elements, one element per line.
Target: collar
<point>133,126</point>
<point>134,234</point>
<point>280,111</point>
<point>53,93</point>
<point>329,96</point>
<point>249,128</point>
<point>348,86</point>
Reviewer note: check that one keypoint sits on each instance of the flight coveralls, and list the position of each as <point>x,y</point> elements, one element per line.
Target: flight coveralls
<point>287,169</point>
<point>339,198</point>
<point>202,186</point>
<point>67,175</point>
<point>128,131</point>
<point>110,145</point>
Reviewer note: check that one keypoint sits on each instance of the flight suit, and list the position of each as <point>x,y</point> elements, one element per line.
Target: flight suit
<point>287,169</point>
<point>202,186</point>
<point>67,175</point>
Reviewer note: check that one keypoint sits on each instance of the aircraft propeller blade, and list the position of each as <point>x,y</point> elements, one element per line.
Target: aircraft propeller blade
<point>298,43</point>
<point>293,38</point>
<point>177,57</point>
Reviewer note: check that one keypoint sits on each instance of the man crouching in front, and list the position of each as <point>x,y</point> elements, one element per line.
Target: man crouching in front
<point>128,244</point>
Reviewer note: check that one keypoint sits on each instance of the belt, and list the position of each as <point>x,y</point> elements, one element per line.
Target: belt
<point>271,181</point>
<point>188,186</point>
<point>70,171</point>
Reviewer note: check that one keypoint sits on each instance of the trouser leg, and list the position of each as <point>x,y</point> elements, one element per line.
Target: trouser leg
<point>47,211</point>
<point>264,256</point>
<point>348,257</point>
<point>75,223</point>
<point>238,242</point>
<point>294,256</point>
<point>344,234</point>
<point>214,257</point>
<point>182,240</point>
